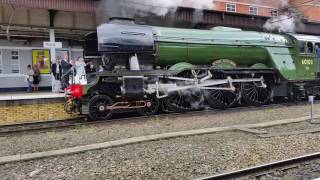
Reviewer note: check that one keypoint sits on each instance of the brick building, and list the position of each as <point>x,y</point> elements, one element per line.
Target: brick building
<point>250,7</point>
<point>310,9</point>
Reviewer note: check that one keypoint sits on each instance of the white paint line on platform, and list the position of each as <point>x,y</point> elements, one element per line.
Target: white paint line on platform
<point>141,139</point>
<point>26,96</point>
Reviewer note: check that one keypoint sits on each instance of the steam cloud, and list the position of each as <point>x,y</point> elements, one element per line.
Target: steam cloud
<point>284,3</point>
<point>132,8</point>
<point>282,23</point>
<point>289,21</point>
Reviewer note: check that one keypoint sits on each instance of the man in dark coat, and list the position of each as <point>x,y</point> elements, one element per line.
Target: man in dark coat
<point>90,68</point>
<point>56,70</point>
<point>66,71</point>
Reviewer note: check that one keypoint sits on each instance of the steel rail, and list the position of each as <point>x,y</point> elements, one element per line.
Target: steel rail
<point>45,125</point>
<point>33,126</point>
<point>257,170</point>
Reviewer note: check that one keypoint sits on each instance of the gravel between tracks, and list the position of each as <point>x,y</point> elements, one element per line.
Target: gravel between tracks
<point>180,158</point>
<point>83,135</point>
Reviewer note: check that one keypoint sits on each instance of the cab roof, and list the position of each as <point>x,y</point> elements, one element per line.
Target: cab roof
<point>302,37</point>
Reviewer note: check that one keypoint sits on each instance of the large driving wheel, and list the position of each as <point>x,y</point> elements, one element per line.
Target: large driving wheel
<point>98,108</point>
<point>152,106</point>
<point>184,101</point>
<point>255,95</point>
<point>189,99</point>
<point>221,99</point>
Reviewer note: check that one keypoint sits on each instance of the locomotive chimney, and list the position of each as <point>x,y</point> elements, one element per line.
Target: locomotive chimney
<point>121,20</point>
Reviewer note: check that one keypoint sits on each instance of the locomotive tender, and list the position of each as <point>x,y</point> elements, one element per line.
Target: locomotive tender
<point>151,68</point>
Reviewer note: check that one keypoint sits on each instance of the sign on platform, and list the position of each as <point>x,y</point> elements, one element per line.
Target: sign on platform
<point>47,44</point>
<point>41,58</point>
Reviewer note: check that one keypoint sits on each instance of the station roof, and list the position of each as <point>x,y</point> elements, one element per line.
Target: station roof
<point>64,5</point>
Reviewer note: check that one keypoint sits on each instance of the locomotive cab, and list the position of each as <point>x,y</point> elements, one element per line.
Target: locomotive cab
<point>308,62</point>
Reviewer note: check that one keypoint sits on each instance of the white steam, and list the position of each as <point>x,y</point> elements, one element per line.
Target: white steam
<point>284,3</point>
<point>163,7</point>
<point>202,4</point>
<point>289,19</point>
<point>282,23</point>
<point>132,8</point>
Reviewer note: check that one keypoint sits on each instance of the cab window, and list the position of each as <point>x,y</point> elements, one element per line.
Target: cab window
<point>306,47</point>
<point>317,49</point>
<point>302,46</point>
<point>309,48</point>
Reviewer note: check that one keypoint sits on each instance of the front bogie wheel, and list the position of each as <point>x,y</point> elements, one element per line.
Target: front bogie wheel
<point>98,108</point>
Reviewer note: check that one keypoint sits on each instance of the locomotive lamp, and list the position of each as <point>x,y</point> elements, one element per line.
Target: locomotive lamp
<point>311,100</point>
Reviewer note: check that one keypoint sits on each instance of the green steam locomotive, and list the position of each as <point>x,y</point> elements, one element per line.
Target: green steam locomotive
<point>150,68</point>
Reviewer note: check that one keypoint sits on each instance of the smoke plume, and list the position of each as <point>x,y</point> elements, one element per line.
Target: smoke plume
<point>284,3</point>
<point>289,20</point>
<point>132,8</point>
<point>282,23</point>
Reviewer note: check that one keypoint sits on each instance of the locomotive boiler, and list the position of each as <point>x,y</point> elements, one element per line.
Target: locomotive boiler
<point>150,68</point>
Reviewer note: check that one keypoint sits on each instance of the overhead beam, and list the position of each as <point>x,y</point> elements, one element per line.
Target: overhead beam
<point>52,14</point>
<point>62,5</point>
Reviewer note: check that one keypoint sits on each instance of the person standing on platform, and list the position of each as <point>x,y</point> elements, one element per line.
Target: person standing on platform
<point>30,74</point>
<point>56,70</point>
<point>80,71</point>
<point>66,71</point>
<point>36,78</point>
<point>56,73</point>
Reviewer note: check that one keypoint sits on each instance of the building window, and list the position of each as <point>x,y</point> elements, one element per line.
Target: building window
<point>15,62</point>
<point>274,13</point>
<point>1,65</point>
<point>231,7</point>
<point>253,10</point>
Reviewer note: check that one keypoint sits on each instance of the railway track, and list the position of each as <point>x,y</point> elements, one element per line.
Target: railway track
<point>45,125</point>
<point>297,164</point>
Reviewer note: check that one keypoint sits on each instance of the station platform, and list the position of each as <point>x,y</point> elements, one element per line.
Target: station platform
<point>23,107</point>
<point>29,96</point>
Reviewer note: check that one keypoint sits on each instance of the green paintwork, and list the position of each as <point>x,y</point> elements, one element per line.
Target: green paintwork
<point>259,66</point>
<point>206,46</point>
<point>179,67</point>
<point>282,60</point>
<point>224,64</point>
<point>306,66</point>
<point>245,48</point>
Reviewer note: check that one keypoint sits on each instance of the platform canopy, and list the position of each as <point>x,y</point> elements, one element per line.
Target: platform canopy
<point>63,5</point>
